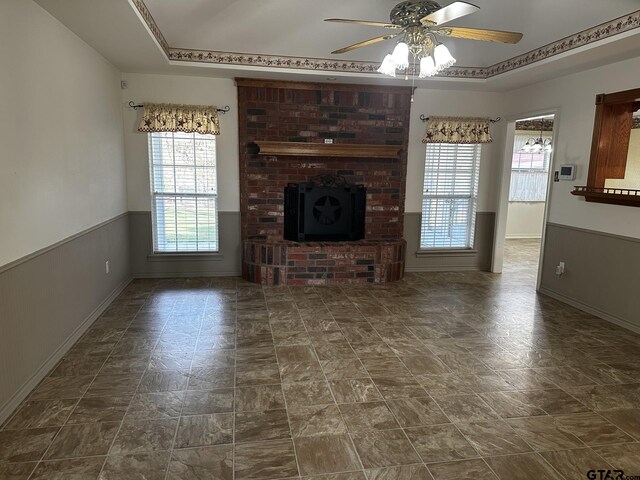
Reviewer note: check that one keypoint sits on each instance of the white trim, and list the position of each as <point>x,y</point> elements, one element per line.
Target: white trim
<point>23,392</point>
<point>591,310</point>
<point>505,184</point>
<point>523,237</point>
<point>53,246</point>
<point>186,274</point>
<point>443,268</point>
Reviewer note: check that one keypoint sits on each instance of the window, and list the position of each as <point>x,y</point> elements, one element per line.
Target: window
<point>449,195</point>
<point>184,192</point>
<point>529,170</point>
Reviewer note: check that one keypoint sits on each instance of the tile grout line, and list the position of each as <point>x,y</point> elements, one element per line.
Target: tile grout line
<point>326,379</point>
<point>130,402</point>
<point>184,396</point>
<point>284,398</point>
<point>75,406</point>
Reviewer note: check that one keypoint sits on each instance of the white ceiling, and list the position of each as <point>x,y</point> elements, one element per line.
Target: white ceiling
<point>296,28</point>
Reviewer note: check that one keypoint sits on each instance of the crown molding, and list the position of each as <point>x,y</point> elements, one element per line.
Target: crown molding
<point>151,24</point>
<point>591,35</point>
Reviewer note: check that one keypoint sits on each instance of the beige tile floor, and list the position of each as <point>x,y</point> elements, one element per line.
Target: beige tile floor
<point>441,376</point>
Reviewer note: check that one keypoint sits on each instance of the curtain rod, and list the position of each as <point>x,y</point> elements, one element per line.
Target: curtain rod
<point>492,120</point>
<point>136,106</point>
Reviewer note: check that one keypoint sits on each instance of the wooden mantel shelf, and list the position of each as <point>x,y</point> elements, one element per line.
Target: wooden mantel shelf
<point>327,149</point>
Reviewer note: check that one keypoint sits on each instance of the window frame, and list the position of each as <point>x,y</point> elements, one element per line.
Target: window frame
<point>472,199</point>
<point>155,251</point>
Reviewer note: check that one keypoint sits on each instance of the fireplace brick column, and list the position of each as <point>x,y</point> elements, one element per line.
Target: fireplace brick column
<point>313,112</point>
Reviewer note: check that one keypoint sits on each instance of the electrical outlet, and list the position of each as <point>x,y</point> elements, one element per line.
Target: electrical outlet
<point>106,267</point>
<point>560,269</point>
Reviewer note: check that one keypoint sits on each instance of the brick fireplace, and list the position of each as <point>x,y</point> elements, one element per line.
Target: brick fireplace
<point>309,113</point>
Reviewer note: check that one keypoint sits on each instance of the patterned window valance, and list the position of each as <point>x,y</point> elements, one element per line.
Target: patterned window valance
<point>160,117</point>
<point>457,130</point>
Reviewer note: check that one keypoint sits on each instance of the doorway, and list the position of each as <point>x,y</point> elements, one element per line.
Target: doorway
<point>530,169</point>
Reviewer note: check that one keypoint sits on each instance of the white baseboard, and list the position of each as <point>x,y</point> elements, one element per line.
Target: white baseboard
<point>186,274</point>
<point>23,392</point>
<point>523,237</point>
<point>621,322</point>
<point>443,268</point>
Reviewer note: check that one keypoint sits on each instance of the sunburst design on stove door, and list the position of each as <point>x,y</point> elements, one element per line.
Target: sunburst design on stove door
<point>327,210</point>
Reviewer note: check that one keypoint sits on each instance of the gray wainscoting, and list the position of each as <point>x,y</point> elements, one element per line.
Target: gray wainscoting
<point>477,259</point>
<point>144,264</point>
<point>49,298</point>
<point>602,272</point>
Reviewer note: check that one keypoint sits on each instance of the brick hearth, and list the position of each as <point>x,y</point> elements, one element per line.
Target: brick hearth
<point>321,263</point>
<point>307,112</point>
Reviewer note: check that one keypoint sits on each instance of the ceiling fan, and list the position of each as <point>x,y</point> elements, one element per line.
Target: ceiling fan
<point>418,23</point>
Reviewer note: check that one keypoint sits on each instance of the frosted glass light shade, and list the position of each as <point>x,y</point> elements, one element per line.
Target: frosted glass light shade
<point>427,67</point>
<point>388,67</point>
<point>400,56</point>
<point>443,57</point>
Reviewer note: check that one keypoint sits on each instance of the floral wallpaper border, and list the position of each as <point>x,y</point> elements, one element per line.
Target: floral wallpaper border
<point>145,14</point>
<point>585,37</point>
<point>600,32</point>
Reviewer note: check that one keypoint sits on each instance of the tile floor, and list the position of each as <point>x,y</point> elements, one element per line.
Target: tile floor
<point>441,376</point>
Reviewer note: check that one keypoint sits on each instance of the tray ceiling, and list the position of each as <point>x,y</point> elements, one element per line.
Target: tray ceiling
<point>288,39</point>
<point>296,27</point>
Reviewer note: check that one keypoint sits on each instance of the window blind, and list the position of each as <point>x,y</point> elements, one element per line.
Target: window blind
<point>184,192</point>
<point>529,171</point>
<point>449,195</point>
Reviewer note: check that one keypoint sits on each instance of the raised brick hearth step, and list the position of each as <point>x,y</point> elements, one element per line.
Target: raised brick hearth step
<point>323,263</point>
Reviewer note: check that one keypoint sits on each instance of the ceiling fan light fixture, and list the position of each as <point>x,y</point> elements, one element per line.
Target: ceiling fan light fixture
<point>443,57</point>
<point>400,56</point>
<point>388,67</point>
<point>427,67</point>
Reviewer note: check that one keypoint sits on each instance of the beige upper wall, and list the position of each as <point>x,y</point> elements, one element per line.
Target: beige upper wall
<point>574,97</point>
<point>220,92</point>
<point>632,170</point>
<point>459,103</point>
<point>180,89</point>
<point>62,162</point>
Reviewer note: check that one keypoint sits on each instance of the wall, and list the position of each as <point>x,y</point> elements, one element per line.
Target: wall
<point>349,114</point>
<point>61,169</point>
<point>185,89</point>
<point>632,171</point>
<point>62,193</point>
<point>610,289</point>
<point>574,95</point>
<point>525,219</point>
<point>191,90</point>
<point>587,282</point>
<point>453,103</point>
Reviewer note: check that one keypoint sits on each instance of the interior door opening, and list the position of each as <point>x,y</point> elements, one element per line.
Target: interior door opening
<point>531,166</point>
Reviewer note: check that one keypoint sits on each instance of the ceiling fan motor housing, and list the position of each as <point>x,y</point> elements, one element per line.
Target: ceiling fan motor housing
<point>409,13</point>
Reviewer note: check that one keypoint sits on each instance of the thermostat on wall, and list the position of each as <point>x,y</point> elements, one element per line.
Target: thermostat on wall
<point>567,172</point>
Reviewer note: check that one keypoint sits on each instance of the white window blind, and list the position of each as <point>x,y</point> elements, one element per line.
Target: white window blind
<point>184,192</point>
<point>449,195</point>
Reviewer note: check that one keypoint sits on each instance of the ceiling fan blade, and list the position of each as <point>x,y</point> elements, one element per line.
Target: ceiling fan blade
<point>365,43</point>
<point>364,22</point>
<point>448,13</point>
<point>480,34</point>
